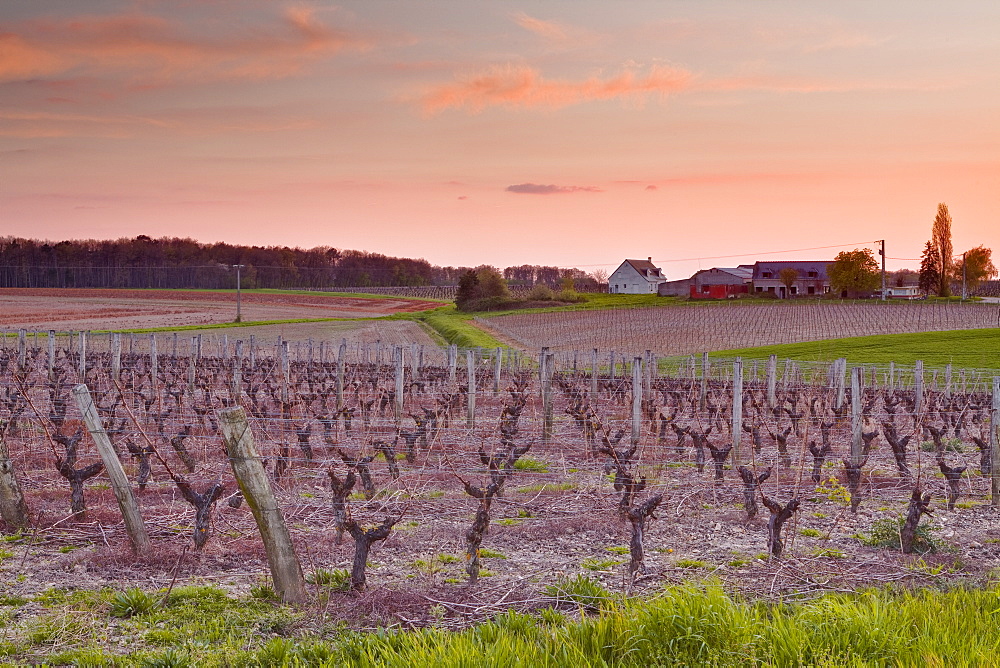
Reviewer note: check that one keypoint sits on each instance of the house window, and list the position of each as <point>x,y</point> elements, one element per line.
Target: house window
<point>767,274</point>
<point>811,290</point>
<point>812,274</point>
<point>759,288</point>
<point>771,289</point>
<point>795,290</point>
<point>705,288</point>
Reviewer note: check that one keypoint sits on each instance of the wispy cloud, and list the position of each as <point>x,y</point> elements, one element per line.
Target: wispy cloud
<point>546,29</point>
<point>157,50</point>
<point>519,86</point>
<point>539,189</point>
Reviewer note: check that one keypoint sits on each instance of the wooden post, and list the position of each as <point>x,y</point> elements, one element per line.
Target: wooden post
<point>470,361</point>
<point>995,443</point>
<point>611,359</point>
<point>253,351</point>
<point>547,417</point>
<point>452,365</point>
<point>737,425</point>
<point>119,483</point>
<point>839,369</point>
<point>594,375</point>
<point>497,367</point>
<point>154,360</point>
<point>197,340</point>
<point>918,386</point>
<point>414,359</point>
<point>238,372</point>
<point>13,509</point>
<point>857,452</point>
<point>397,354</point>
<point>286,372</point>
<point>250,476</point>
<point>947,381</point>
<point>52,353</point>
<point>83,355</point>
<point>341,361</point>
<point>22,349</point>
<point>192,373</point>
<point>705,369</point>
<point>636,400</point>
<point>772,373</point>
<point>116,356</point>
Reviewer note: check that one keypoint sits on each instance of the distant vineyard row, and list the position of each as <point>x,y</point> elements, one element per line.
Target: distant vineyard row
<point>685,330</point>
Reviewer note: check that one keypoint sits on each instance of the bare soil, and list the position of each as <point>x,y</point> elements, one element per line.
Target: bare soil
<point>92,309</point>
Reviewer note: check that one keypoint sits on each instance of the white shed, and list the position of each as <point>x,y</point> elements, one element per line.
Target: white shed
<point>636,277</point>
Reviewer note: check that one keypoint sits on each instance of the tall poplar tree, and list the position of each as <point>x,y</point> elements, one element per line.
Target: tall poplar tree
<point>941,238</point>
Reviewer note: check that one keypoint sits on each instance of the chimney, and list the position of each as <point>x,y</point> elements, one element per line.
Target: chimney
<point>650,260</point>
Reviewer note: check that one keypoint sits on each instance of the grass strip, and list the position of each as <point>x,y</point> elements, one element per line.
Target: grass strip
<point>685,625</point>
<point>966,348</point>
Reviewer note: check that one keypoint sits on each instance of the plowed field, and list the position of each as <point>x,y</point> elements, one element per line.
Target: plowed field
<point>86,309</point>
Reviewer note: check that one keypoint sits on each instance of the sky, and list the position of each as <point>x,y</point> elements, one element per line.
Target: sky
<point>466,132</point>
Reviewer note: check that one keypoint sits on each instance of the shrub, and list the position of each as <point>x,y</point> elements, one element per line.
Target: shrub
<point>540,293</point>
<point>885,534</point>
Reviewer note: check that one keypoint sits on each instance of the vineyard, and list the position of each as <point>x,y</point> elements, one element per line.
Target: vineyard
<point>691,329</point>
<point>404,466</point>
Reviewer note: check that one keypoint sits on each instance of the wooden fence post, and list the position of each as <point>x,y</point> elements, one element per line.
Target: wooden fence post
<point>341,361</point>
<point>82,370</point>
<point>772,373</point>
<point>52,353</point>
<point>119,482</point>
<point>13,509</point>
<point>452,366</point>
<point>397,354</point>
<point>470,361</point>
<point>636,400</point>
<point>705,369</point>
<point>737,424</point>
<point>856,423</point>
<point>116,356</point>
<point>250,476</point>
<point>497,367</point>
<point>594,375</point>
<point>995,443</point>
<point>22,349</point>
<point>918,386</point>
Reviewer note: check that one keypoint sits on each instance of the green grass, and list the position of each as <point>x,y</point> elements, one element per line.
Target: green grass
<point>967,348</point>
<point>692,625</point>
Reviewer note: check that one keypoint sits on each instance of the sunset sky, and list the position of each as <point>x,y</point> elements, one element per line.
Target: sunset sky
<point>570,133</point>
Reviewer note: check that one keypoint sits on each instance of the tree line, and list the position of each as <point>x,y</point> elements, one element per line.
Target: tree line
<point>857,272</point>
<point>170,263</point>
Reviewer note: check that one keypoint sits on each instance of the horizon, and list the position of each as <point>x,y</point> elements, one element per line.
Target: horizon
<point>570,134</point>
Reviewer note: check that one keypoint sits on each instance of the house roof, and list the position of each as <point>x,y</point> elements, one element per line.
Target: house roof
<point>646,269</point>
<point>744,271</point>
<point>804,267</point>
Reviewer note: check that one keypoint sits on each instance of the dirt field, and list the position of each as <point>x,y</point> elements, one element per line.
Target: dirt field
<point>72,309</point>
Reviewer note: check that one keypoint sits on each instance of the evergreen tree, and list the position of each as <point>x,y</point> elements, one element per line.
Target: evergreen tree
<point>930,270</point>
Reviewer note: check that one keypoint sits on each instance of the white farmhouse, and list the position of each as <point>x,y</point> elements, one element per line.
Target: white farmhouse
<point>636,277</point>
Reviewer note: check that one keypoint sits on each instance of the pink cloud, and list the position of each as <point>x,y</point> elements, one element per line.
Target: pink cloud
<point>539,189</point>
<point>155,48</point>
<point>547,29</point>
<point>519,86</point>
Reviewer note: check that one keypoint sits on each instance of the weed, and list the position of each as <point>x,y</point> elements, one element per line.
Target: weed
<point>133,602</point>
<point>533,465</point>
<point>582,591</point>
<point>885,533</point>
<point>263,592</point>
<point>452,559</point>
<point>485,553</point>
<point>338,578</point>
<point>600,564</point>
<point>829,552</point>
<point>737,563</point>
<point>835,491</point>
<point>811,533</point>
<point>618,549</point>
<point>691,563</point>
<point>547,487</point>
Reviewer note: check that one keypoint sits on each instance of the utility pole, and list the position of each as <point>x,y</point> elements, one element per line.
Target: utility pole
<point>881,251</point>
<point>239,314</point>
